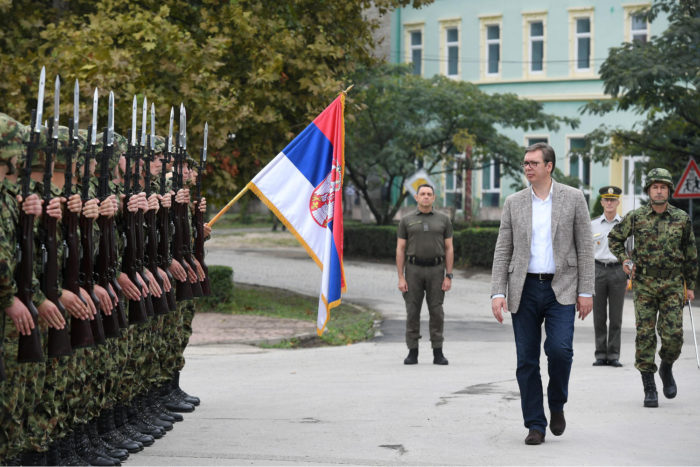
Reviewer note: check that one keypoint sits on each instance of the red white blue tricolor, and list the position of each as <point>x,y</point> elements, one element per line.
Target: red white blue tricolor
<point>303,186</point>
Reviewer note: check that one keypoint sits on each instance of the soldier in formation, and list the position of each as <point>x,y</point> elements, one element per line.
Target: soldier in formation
<point>663,266</point>
<point>105,232</point>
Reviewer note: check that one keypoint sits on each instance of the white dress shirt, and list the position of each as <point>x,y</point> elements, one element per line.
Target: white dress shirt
<point>541,252</point>
<point>601,227</point>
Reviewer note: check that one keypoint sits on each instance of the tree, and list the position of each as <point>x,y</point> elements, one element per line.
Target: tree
<point>400,122</point>
<point>256,68</point>
<point>659,80</point>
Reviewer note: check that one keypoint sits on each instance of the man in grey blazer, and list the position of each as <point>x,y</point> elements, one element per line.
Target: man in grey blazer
<point>543,271</point>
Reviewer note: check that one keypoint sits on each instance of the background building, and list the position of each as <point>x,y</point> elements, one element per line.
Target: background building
<point>549,51</point>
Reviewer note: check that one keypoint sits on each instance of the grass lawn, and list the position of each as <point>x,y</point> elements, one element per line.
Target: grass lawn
<point>348,324</point>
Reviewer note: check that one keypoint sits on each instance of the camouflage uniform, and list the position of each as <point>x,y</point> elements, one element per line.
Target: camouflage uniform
<point>665,257</point>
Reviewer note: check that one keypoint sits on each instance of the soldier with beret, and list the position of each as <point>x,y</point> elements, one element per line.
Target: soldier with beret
<point>610,282</point>
<point>662,264</point>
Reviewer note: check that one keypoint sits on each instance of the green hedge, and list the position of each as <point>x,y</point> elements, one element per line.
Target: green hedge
<point>473,246</point>
<point>221,284</point>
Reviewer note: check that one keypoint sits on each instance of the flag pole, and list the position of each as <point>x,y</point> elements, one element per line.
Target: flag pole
<point>228,206</point>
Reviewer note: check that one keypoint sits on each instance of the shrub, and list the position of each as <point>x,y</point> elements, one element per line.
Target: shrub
<point>475,246</point>
<point>373,241</point>
<point>221,284</point>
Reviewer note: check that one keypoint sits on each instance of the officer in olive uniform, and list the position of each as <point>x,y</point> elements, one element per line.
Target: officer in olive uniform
<point>424,259</point>
<point>610,282</point>
<point>662,264</point>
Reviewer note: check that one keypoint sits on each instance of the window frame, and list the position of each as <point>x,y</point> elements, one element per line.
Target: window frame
<point>630,12</point>
<point>492,182</point>
<point>409,29</point>
<point>485,22</point>
<point>586,188</point>
<point>445,45</point>
<point>528,19</point>
<point>576,14</point>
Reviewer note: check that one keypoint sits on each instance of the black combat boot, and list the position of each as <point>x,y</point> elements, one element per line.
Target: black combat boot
<point>141,423</point>
<point>670,389</point>
<point>651,397</point>
<point>66,448</point>
<point>412,358</point>
<point>33,458</point>
<point>160,410</point>
<point>122,421</point>
<point>102,447</point>
<point>108,431</point>
<point>194,400</point>
<point>439,358</point>
<point>174,403</point>
<point>86,451</point>
<point>147,410</point>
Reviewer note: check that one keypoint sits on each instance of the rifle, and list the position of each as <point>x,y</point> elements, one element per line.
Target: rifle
<point>140,239</point>
<point>29,346</point>
<point>182,227</point>
<point>199,218</point>
<point>80,329</point>
<point>160,304</point>
<point>111,322</point>
<point>164,222</point>
<point>59,340</point>
<point>86,226</point>
<point>137,308</point>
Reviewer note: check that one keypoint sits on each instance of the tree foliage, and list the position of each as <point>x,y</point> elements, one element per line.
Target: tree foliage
<point>254,68</point>
<point>401,122</point>
<point>660,81</point>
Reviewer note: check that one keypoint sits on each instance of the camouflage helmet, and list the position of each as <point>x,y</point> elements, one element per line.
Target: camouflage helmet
<point>658,175</point>
<point>159,144</point>
<point>13,135</point>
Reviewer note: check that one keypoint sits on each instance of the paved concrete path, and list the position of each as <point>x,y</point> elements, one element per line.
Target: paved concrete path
<point>360,405</point>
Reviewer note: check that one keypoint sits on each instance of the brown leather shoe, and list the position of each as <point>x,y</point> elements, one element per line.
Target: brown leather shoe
<point>534,437</point>
<point>557,424</point>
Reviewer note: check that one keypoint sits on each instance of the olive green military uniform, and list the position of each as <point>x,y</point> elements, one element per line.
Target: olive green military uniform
<point>425,235</point>
<point>666,259</point>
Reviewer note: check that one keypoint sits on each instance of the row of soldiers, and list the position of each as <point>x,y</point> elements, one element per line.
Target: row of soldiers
<point>106,380</point>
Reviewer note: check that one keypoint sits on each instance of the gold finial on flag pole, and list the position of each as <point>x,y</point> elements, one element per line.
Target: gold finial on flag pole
<point>348,89</point>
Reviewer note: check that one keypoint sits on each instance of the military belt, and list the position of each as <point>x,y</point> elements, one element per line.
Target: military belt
<point>607,265</point>
<point>426,261</point>
<point>661,273</point>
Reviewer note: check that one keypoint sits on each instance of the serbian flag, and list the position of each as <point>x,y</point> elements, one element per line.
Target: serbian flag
<point>303,186</point>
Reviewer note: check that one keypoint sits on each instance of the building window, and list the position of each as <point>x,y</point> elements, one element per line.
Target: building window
<point>454,185</point>
<point>583,44</point>
<point>579,166</point>
<point>638,28</point>
<point>633,179</point>
<point>536,46</point>
<point>491,184</point>
<point>452,48</point>
<point>536,139</point>
<point>417,51</point>
<point>581,40</point>
<point>493,48</point>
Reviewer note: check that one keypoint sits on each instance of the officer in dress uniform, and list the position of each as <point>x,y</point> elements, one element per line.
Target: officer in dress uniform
<point>610,283</point>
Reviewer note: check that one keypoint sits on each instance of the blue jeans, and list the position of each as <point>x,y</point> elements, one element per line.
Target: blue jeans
<point>539,304</point>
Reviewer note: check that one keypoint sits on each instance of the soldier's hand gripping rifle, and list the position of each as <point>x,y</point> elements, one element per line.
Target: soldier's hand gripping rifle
<point>87,266</point>
<point>164,255</point>
<point>199,218</point>
<point>137,308</point>
<point>102,271</point>
<point>160,304</point>
<point>58,344</point>
<point>80,329</point>
<point>29,346</point>
<point>140,238</point>
<point>183,208</point>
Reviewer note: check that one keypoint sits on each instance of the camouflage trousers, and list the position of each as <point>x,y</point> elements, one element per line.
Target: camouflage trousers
<point>11,394</point>
<point>658,308</point>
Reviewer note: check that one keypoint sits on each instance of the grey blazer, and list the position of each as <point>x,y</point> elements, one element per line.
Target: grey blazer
<point>572,243</point>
